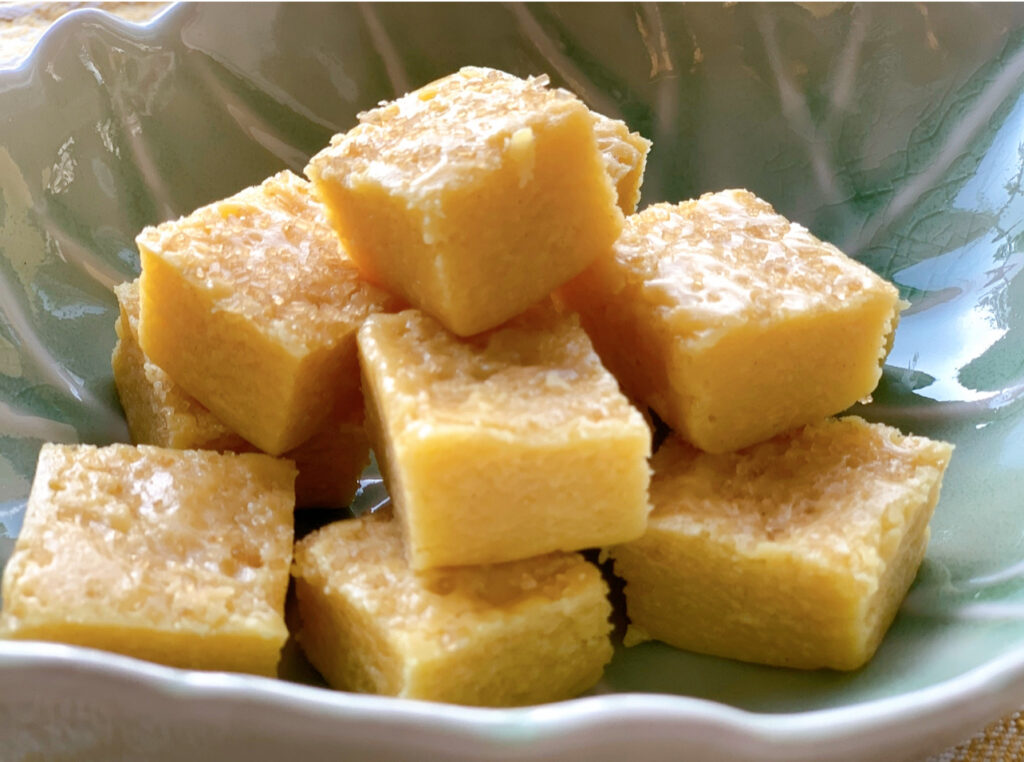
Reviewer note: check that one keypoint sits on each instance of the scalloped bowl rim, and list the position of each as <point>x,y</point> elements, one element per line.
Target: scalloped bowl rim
<point>1000,677</point>
<point>1001,680</point>
<point>23,65</point>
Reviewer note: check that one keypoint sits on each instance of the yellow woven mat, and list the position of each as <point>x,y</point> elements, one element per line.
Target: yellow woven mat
<point>1001,741</point>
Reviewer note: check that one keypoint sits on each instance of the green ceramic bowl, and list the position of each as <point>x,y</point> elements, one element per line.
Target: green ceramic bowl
<point>895,131</point>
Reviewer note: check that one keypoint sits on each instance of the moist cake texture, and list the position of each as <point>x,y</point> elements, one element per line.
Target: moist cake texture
<point>251,306</point>
<point>161,413</point>
<point>178,557</point>
<point>511,444</point>
<point>795,552</point>
<point>472,197</point>
<point>511,634</point>
<point>733,323</point>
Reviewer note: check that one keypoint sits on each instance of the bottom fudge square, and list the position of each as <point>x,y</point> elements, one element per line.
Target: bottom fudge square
<point>174,556</point>
<point>796,552</point>
<point>511,444</point>
<point>511,634</point>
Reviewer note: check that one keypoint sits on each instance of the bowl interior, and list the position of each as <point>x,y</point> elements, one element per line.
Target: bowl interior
<point>895,131</point>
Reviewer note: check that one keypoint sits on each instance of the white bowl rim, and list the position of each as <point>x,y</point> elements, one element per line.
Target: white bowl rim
<point>1000,681</point>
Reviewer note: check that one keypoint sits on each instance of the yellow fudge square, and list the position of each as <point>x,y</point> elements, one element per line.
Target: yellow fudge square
<point>625,158</point>
<point>331,461</point>
<point>472,197</point>
<point>251,306</point>
<point>796,552</point>
<point>161,413</point>
<point>178,557</point>
<point>510,444</point>
<point>523,632</point>
<point>733,323</point>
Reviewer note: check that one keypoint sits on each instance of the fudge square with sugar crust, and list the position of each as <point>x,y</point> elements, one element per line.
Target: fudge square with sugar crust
<point>795,552</point>
<point>178,557</point>
<point>510,444</point>
<point>510,634</point>
<point>251,306</point>
<point>733,323</point>
<point>161,413</point>
<point>472,197</point>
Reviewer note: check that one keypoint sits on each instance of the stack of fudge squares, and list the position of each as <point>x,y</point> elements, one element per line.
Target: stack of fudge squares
<point>463,285</point>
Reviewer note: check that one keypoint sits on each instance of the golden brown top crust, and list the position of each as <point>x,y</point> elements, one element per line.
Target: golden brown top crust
<point>444,132</point>
<point>364,559</point>
<point>827,487</point>
<point>538,372</point>
<point>268,253</point>
<point>729,258</point>
<point>154,537</point>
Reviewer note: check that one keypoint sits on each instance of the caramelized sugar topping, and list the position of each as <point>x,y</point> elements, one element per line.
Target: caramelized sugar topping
<point>171,538</point>
<point>454,127</point>
<point>537,372</point>
<point>268,253</point>
<point>365,558</point>
<point>728,258</point>
<point>824,487</point>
